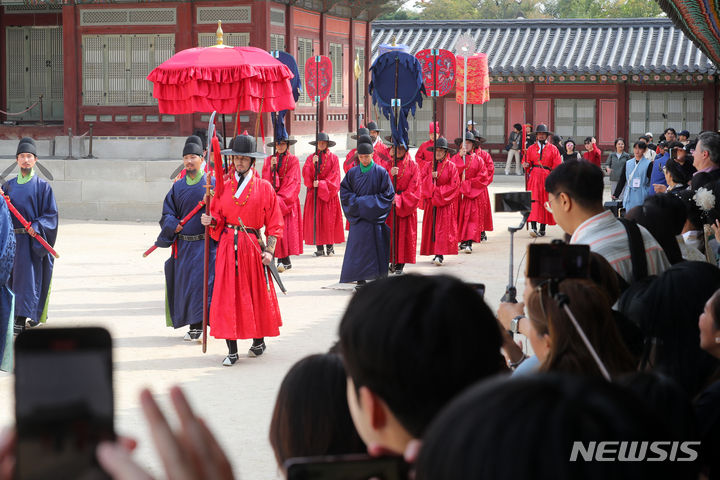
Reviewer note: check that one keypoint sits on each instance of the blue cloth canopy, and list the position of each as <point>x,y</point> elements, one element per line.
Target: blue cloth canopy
<point>410,89</point>
<point>278,118</point>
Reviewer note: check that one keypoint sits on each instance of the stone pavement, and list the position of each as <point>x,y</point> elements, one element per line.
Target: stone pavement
<point>102,279</point>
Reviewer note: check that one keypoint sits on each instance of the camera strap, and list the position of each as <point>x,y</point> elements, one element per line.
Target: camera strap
<point>637,249</point>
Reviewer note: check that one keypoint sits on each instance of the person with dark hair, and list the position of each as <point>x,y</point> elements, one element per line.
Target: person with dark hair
<point>243,205</point>
<point>664,217</point>
<point>575,192</point>
<point>706,160</point>
<point>410,344</point>
<point>683,156</point>
<point>675,176</point>
<point>513,148</point>
<point>351,159</point>
<point>540,159</point>
<point>529,428</point>
<point>32,271</point>
<point>670,327</point>
<point>593,153</point>
<point>282,170</point>
<point>693,231</point>
<point>570,153</point>
<point>616,163</point>
<point>311,415</point>
<point>556,341</point>
<point>183,270</point>
<point>670,135</point>
<point>366,194</point>
<point>439,188</point>
<point>471,204</point>
<point>684,137</point>
<point>650,151</point>
<point>658,184</point>
<point>635,178</point>
<point>707,405</point>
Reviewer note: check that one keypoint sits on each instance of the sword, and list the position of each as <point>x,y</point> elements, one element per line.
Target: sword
<point>268,268</point>
<point>185,219</point>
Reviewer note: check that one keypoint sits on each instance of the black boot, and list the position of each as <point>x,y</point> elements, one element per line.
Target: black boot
<point>19,325</point>
<point>542,230</point>
<point>232,356</point>
<point>319,252</point>
<point>258,347</point>
<point>330,250</point>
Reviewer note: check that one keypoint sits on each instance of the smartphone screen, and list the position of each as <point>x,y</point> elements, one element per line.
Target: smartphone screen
<point>63,402</point>
<point>513,202</point>
<point>347,467</point>
<point>479,288</point>
<point>558,261</point>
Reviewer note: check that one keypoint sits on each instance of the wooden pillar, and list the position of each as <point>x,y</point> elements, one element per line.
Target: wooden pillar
<point>710,106</point>
<point>185,36</point>
<point>352,111</point>
<point>368,59</point>
<point>623,113</point>
<point>291,48</point>
<point>71,68</point>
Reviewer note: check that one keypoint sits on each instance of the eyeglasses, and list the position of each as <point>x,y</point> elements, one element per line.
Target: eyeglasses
<point>548,204</point>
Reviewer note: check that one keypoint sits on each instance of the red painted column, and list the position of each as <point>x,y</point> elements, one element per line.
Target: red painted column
<point>368,60</point>
<point>352,113</point>
<point>71,68</point>
<point>3,68</point>
<point>291,48</point>
<point>623,114</point>
<point>710,106</point>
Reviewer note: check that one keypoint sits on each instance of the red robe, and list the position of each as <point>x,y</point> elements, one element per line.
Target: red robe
<point>471,214</point>
<point>594,156</point>
<point>539,171</point>
<point>351,160</point>
<point>407,199</point>
<point>329,213</point>
<point>424,155</point>
<point>381,149</point>
<point>243,306</point>
<point>442,195</point>
<point>484,193</point>
<point>286,182</point>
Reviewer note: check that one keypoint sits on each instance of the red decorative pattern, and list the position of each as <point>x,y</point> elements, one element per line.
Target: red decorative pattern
<point>445,70</point>
<point>318,78</point>
<point>478,91</point>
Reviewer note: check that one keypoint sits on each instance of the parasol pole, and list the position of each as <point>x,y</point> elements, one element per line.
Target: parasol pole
<point>206,251</point>
<point>396,105</point>
<point>317,134</point>
<point>357,72</point>
<point>224,132</point>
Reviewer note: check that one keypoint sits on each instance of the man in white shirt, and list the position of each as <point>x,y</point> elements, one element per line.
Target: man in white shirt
<point>575,194</point>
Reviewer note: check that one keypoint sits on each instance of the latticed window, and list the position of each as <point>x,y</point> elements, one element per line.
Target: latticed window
<point>232,39</point>
<point>656,111</point>
<point>305,51</point>
<point>575,118</point>
<point>277,42</point>
<point>115,67</point>
<point>360,54</point>
<point>336,92</point>
<point>489,118</point>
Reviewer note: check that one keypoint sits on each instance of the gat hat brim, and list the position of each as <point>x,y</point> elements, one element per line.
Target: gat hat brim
<point>230,151</point>
<point>237,145</point>
<point>390,143</point>
<point>443,147</point>
<point>329,142</point>
<point>361,131</point>
<point>283,140</point>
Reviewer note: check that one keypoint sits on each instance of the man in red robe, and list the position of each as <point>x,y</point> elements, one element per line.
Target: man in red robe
<point>282,170</point>
<point>424,154</point>
<point>321,175</point>
<point>406,180</point>
<point>540,159</point>
<point>351,159</point>
<point>473,176</point>
<point>485,207</point>
<point>440,187</point>
<point>244,304</point>
<point>379,146</point>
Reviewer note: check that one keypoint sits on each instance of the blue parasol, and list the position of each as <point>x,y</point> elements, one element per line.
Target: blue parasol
<point>408,85</point>
<point>278,119</point>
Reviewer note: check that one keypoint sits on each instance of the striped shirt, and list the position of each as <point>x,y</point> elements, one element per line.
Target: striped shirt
<point>607,236</point>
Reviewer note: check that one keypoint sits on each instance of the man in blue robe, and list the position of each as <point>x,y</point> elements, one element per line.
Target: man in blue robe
<point>367,195</point>
<point>184,268</point>
<point>33,266</point>
<point>7,299</point>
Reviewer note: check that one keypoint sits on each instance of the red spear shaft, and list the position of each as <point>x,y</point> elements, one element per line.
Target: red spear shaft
<point>186,219</point>
<point>27,226</point>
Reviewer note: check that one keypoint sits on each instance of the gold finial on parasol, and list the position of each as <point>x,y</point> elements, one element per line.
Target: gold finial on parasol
<point>219,33</point>
<point>394,41</point>
<point>357,68</point>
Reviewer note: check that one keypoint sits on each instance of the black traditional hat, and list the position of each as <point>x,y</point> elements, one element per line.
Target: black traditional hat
<point>192,148</point>
<point>443,144</point>
<point>243,145</point>
<point>364,148</point>
<point>364,139</point>
<point>323,137</point>
<point>361,131</point>
<point>373,127</point>
<point>26,145</point>
<point>194,139</point>
<point>282,140</point>
<point>469,136</point>
<point>390,143</point>
<point>542,128</point>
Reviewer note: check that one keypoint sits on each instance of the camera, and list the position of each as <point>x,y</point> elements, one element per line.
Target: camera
<point>513,202</point>
<point>558,260</point>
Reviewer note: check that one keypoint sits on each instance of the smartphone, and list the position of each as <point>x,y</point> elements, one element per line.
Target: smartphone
<point>479,288</point>
<point>63,402</point>
<point>347,467</point>
<point>558,261</point>
<point>513,202</point>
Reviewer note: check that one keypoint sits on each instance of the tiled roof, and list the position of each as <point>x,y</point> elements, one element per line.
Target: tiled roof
<point>568,46</point>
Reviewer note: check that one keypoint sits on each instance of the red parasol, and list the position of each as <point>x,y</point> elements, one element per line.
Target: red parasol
<point>478,88</point>
<point>223,79</point>
<point>442,76</point>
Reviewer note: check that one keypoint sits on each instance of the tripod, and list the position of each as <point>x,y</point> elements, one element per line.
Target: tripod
<point>511,292</point>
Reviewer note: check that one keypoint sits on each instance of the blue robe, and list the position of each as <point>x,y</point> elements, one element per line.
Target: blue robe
<point>184,268</point>
<point>657,177</point>
<point>32,270</point>
<point>366,200</point>
<point>635,196</point>
<point>7,299</point>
